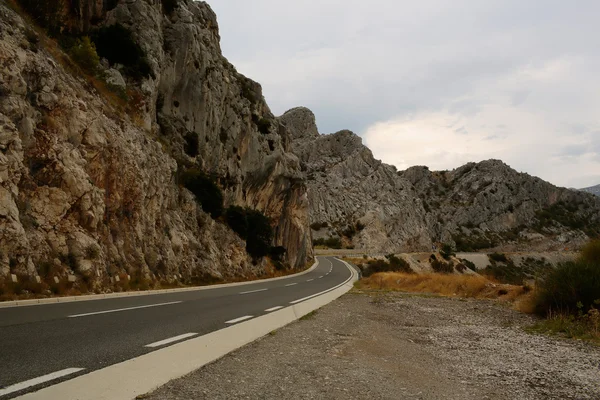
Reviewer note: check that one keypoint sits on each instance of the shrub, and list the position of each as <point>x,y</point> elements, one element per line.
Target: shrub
<point>332,242</point>
<point>570,288</point>
<point>116,44</point>
<point>591,252</point>
<point>317,226</point>
<point>264,126</point>
<point>498,257</point>
<point>83,52</point>
<point>469,264</point>
<point>205,189</point>
<point>440,267</point>
<point>508,273</point>
<point>447,251</point>
<point>394,264</point>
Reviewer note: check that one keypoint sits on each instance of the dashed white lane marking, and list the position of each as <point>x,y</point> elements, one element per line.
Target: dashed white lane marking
<point>324,291</point>
<point>273,309</point>
<point>254,291</point>
<point>171,340</point>
<point>240,319</point>
<point>320,276</point>
<point>124,309</point>
<point>291,284</point>
<point>37,381</point>
<point>310,280</point>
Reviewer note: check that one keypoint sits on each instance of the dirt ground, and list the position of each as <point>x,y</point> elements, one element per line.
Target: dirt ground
<point>400,346</point>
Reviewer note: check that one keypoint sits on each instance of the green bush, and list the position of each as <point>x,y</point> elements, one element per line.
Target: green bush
<point>116,44</point>
<point>205,189</point>
<point>393,264</point>
<point>84,54</point>
<point>571,288</point>
<point>264,126</point>
<point>498,257</point>
<point>591,252</point>
<point>506,273</point>
<point>469,264</point>
<point>447,251</point>
<point>441,267</point>
<point>332,242</point>
<point>317,226</point>
<point>472,243</point>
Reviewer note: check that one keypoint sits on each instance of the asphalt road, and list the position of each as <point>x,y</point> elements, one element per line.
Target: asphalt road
<point>79,337</point>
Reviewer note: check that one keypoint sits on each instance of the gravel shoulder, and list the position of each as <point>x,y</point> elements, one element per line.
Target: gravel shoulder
<point>400,346</point>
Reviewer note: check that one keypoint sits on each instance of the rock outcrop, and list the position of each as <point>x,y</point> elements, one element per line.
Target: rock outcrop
<point>593,190</point>
<point>371,206</point>
<point>88,185</point>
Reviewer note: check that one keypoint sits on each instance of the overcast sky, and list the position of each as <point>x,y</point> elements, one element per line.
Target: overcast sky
<point>437,83</point>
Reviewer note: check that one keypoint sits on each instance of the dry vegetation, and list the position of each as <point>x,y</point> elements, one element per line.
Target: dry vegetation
<point>469,286</point>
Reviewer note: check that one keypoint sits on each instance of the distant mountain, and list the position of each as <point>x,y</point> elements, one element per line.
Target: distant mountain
<point>358,201</point>
<point>593,190</point>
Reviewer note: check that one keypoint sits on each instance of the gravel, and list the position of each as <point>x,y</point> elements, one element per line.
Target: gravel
<point>400,346</point>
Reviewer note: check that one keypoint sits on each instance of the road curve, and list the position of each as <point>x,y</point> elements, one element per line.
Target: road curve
<point>42,345</point>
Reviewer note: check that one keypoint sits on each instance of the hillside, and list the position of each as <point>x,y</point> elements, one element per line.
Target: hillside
<point>93,153</point>
<point>370,205</point>
<point>593,190</point>
<point>132,150</point>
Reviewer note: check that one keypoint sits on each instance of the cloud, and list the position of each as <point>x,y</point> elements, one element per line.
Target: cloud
<point>516,80</point>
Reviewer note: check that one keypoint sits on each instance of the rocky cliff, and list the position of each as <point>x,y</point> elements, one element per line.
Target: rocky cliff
<point>369,205</point>
<point>89,162</point>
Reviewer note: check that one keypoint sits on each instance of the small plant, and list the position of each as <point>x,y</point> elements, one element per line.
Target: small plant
<point>570,288</point>
<point>264,126</point>
<point>331,242</point>
<point>498,257</point>
<point>92,252</point>
<point>84,54</point>
<point>207,192</point>
<point>447,251</point>
<point>317,226</point>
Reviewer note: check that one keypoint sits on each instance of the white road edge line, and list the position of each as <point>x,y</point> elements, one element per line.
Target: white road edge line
<point>254,291</point>
<point>124,309</point>
<point>171,340</point>
<point>273,309</point>
<point>324,291</point>
<point>240,319</point>
<point>291,284</point>
<point>38,381</point>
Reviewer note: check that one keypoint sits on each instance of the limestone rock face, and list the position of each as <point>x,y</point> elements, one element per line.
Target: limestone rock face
<point>491,203</point>
<point>353,194</point>
<point>86,188</point>
<point>371,206</point>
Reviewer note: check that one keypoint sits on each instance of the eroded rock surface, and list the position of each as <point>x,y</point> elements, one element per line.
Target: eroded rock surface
<point>88,188</point>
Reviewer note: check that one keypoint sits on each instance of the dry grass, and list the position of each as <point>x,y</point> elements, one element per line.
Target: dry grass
<point>468,286</point>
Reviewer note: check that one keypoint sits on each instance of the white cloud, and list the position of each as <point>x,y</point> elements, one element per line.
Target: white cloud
<point>515,80</point>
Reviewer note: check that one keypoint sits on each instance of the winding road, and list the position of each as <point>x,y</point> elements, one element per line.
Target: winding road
<point>42,345</point>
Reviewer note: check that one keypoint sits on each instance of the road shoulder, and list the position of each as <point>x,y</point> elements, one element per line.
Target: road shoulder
<point>387,346</point>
